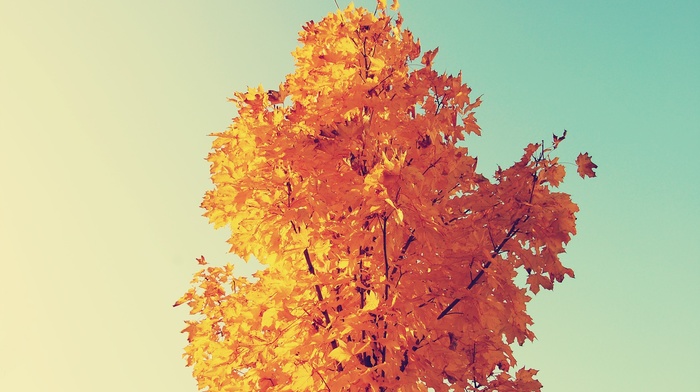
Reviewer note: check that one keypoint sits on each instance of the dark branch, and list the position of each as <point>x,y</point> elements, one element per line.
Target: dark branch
<point>386,260</point>
<point>319,294</point>
<point>511,232</point>
<point>410,239</point>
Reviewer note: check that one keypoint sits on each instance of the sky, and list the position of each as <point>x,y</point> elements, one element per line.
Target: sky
<point>105,108</point>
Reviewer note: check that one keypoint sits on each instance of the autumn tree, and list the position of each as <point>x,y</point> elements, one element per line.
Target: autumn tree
<point>391,263</point>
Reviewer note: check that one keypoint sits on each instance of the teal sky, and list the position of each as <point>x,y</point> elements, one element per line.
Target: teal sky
<point>104,111</point>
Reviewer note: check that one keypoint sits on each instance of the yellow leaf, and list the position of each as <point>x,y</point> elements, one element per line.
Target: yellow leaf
<point>268,318</point>
<point>399,215</point>
<point>340,354</point>
<point>371,301</point>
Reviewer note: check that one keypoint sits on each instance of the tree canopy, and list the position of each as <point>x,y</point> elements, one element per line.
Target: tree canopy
<point>391,263</point>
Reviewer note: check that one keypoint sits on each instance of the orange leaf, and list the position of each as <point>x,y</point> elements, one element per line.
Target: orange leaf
<point>585,166</point>
<point>274,96</point>
<point>428,57</point>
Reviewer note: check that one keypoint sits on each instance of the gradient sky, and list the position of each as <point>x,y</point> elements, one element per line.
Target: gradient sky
<point>104,111</point>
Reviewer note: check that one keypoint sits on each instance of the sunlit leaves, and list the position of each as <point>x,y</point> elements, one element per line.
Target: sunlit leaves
<point>391,262</point>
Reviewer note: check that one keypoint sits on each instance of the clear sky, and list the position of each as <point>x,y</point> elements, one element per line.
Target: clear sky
<point>104,111</point>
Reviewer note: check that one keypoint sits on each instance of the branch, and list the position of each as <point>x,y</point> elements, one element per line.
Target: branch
<point>320,376</point>
<point>319,294</point>
<point>511,232</point>
<point>410,239</point>
<point>386,260</point>
<point>432,165</point>
<point>312,271</point>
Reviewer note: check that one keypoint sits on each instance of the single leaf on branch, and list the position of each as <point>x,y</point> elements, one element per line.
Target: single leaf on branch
<point>585,166</point>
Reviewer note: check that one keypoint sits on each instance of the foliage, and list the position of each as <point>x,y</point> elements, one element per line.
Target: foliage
<point>391,263</point>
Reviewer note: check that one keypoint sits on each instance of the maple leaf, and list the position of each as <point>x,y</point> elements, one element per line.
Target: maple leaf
<point>428,57</point>
<point>274,97</point>
<point>585,166</point>
<point>557,139</point>
<point>340,354</point>
<point>372,301</point>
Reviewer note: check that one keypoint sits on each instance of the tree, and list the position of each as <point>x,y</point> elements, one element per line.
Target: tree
<point>390,261</point>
